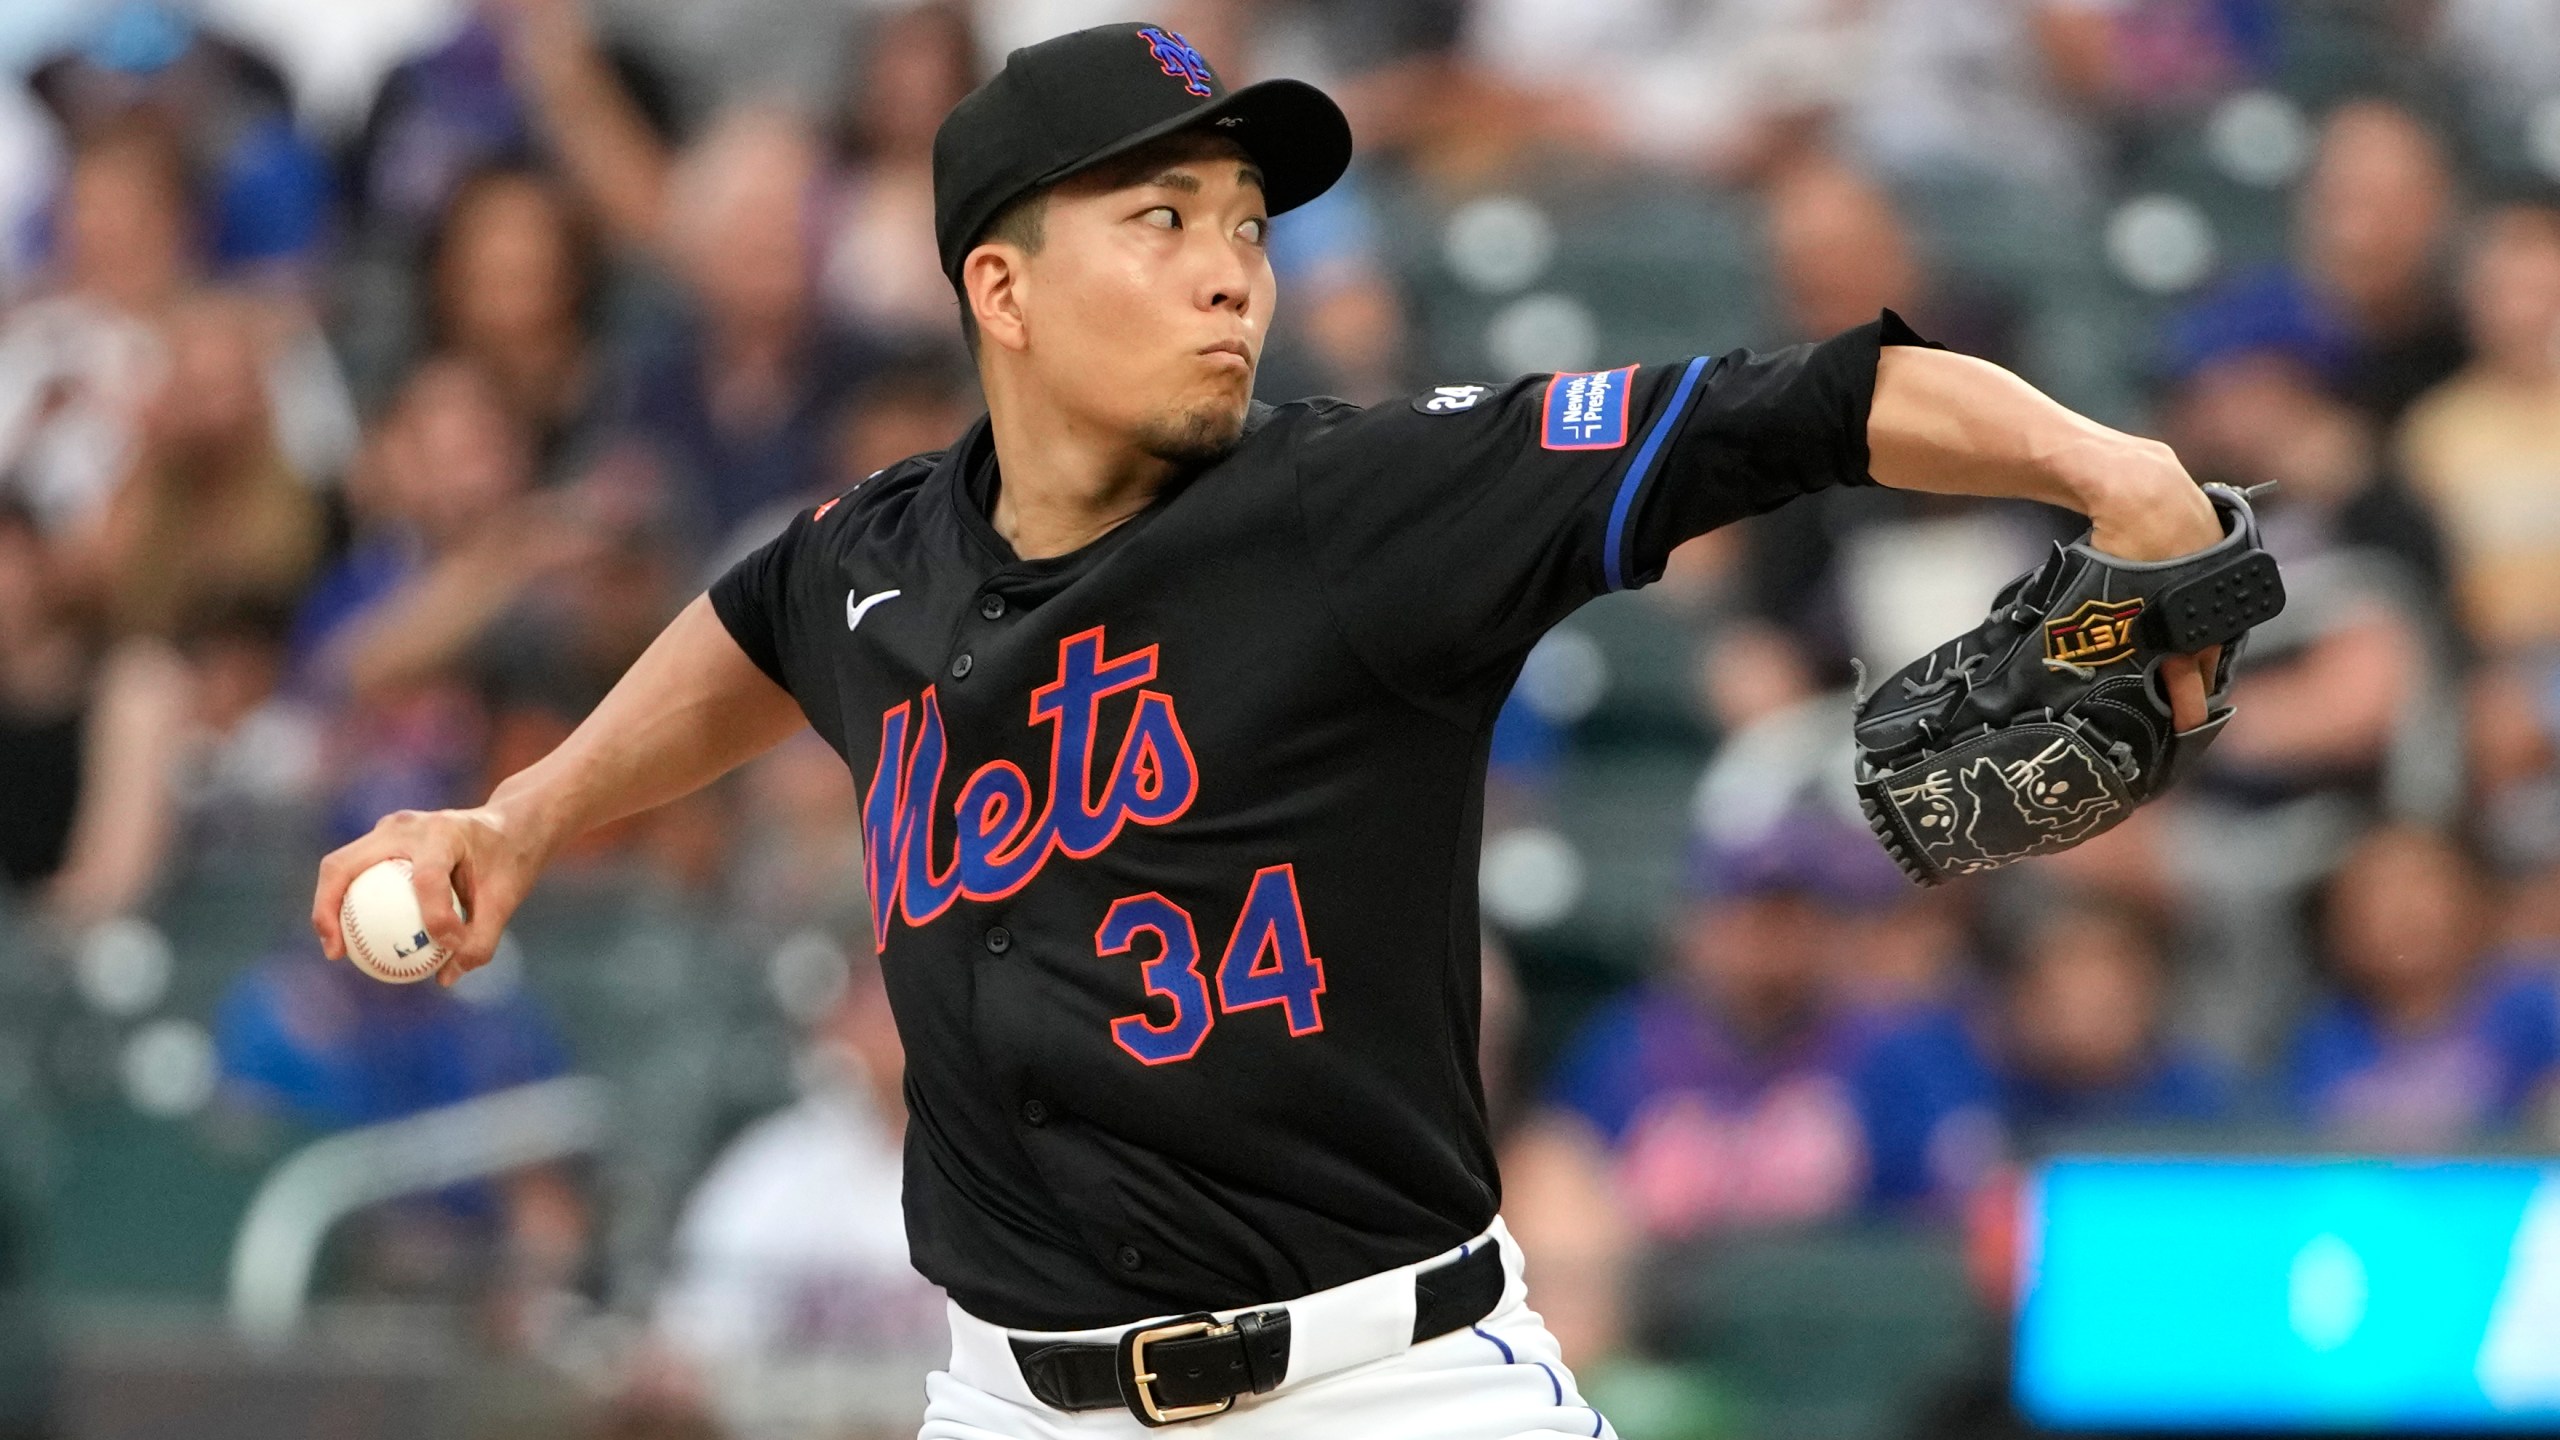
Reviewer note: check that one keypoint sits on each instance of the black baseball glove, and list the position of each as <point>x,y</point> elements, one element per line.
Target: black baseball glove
<point>2047,723</point>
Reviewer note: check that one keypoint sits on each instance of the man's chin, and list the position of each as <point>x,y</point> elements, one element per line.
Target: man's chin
<point>1196,436</point>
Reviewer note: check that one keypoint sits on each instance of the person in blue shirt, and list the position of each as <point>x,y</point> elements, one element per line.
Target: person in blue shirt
<point>2070,1039</point>
<point>2431,1036</point>
<point>1717,1091</point>
<point>1712,1097</point>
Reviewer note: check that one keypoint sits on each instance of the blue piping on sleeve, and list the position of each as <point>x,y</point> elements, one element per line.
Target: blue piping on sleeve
<point>1610,569</point>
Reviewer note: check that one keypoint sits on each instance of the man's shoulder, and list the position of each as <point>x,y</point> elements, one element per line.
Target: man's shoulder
<point>889,489</point>
<point>1439,420</point>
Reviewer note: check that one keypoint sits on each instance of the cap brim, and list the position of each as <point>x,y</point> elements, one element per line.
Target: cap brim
<point>1294,132</point>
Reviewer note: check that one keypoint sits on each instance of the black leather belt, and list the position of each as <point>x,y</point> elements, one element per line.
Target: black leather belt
<point>1195,1366</point>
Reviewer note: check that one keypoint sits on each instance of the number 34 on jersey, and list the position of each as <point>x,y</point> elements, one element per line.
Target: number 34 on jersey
<point>1003,843</point>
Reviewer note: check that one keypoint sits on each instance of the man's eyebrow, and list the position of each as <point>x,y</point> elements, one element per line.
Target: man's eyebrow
<point>1189,184</point>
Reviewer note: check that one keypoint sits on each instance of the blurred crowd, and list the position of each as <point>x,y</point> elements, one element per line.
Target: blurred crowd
<point>375,380</point>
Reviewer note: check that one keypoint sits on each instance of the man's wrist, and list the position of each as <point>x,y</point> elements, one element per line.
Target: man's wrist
<point>2141,503</point>
<point>529,822</point>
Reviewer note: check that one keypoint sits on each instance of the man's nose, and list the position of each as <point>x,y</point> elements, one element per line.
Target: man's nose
<point>1226,278</point>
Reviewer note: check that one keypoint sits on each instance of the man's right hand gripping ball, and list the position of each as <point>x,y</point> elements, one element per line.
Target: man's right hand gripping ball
<point>2050,721</point>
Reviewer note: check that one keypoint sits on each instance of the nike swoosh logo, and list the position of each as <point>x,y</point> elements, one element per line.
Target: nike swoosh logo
<point>857,606</point>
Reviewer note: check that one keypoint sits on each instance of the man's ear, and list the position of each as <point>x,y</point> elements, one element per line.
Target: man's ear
<point>993,275</point>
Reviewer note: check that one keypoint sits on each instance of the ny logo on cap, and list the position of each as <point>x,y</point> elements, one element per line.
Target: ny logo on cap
<point>1178,58</point>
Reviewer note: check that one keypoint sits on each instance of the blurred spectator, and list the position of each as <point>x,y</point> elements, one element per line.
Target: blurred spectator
<point>2341,701</point>
<point>1877,574</point>
<point>2512,752</point>
<point>608,580</point>
<point>791,1256</point>
<point>440,117</point>
<point>513,276</point>
<point>445,544</point>
<point>880,270</point>
<point>474,623</point>
<point>2074,1037</point>
<point>447,120</point>
<point>333,57</point>
<point>77,364</point>
<point>2326,697</point>
<point>1711,1097</point>
<point>2484,447</point>
<point>1921,88</point>
<point>2375,211</point>
<point>901,411</point>
<point>732,399</point>
<point>2175,56</point>
<point>2504,56</point>
<point>44,694</point>
<point>2365,285</point>
<point>2083,1031</point>
<point>457,542</point>
<point>178,733</point>
<point>266,188</point>
<point>596,126</point>
<point>910,406</point>
<point>30,164</point>
<point>325,1044</point>
<point>1718,1090</point>
<point>2431,1038</point>
<point>207,462</point>
<point>1838,249</point>
<point>192,758</point>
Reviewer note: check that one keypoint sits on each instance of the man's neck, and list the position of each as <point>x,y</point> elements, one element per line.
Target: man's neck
<point>1062,483</point>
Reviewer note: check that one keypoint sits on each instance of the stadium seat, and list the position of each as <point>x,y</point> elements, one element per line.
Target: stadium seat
<point>1828,1334</point>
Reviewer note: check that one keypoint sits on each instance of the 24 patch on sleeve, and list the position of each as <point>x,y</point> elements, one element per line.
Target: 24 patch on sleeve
<point>1587,410</point>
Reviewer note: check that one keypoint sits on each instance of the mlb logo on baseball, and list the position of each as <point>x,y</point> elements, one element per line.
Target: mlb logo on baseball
<point>1588,410</point>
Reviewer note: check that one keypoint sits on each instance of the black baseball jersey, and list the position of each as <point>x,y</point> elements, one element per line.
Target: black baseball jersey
<point>1171,842</point>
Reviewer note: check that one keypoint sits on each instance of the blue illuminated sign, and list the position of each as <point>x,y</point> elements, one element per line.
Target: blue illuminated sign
<point>2290,1295</point>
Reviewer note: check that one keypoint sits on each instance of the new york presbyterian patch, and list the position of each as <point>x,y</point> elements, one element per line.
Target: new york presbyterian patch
<point>1587,410</point>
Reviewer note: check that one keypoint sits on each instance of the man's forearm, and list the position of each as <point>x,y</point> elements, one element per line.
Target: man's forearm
<point>690,709</point>
<point>602,138</point>
<point>1954,425</point>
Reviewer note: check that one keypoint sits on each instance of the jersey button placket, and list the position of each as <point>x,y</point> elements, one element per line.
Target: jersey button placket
<point>998,939</point>
<point>991,607</point>
<point>961,665</point>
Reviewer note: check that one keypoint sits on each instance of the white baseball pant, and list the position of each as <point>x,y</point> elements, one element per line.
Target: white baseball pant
<point>1352,1373</point>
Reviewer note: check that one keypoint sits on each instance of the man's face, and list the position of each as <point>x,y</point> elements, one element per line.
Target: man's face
<point>1143,312</point>
<point>1760,958</point>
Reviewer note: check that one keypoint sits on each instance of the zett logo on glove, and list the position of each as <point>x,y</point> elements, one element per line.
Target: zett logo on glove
<point>2100,632</point>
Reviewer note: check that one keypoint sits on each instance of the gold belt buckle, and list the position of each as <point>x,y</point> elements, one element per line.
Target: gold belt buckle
<point>1140,1377</point>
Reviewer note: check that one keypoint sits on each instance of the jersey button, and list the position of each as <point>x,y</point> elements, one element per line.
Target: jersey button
<point>992,607</point>
<point>1129,1257</point>
<point>999,939</point>
<point>1034,1113</point>
<point>961,665</point>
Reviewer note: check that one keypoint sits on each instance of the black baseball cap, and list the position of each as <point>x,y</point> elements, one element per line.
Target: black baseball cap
<point>1079,99</point>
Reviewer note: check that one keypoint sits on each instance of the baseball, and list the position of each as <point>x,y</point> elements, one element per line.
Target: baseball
<point>386,937</point>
